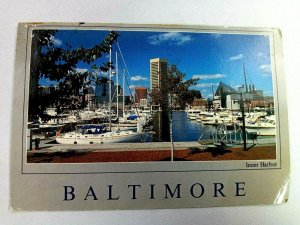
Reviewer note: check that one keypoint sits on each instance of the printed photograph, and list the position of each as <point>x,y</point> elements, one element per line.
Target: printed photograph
<point>104,96</point>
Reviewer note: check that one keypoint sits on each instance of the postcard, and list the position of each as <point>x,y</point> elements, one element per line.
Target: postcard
<point>127,116</point>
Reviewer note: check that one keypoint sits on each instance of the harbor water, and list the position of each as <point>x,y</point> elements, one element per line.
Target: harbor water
<point>183,128</point>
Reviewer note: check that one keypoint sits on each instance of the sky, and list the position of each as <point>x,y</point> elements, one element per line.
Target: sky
<point>211,57</point>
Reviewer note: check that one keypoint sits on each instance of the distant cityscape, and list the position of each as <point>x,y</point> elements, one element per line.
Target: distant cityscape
<point>223,97</point>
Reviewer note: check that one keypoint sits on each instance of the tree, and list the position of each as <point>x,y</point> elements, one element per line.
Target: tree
<point>59,64</point>
<point>174,93</point>
<point>175,86</point>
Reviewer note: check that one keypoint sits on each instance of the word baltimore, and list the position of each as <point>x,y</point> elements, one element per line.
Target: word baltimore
<point>152,191</point>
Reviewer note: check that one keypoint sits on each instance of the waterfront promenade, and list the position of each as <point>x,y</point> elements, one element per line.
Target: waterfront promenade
<point>142,152</point>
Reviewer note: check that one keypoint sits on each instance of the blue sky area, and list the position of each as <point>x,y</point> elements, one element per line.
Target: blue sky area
<point>210,57</point>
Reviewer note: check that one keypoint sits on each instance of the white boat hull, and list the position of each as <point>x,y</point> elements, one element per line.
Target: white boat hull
<point>266,127</point>
<point>262,131</point>
<point>192,117</point>
<point>110,137</point>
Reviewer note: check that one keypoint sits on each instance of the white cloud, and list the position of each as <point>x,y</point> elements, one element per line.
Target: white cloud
<point>236,57</point>
<point>208,76</point>
<point>103,73</point>
<point>171,37</point>
<point>81,70</point>
<point>266,68</point>
<point>132,86</point>
<point>138,78</point>
<point>202,85</point>
<point>55,41</point>
<point>266,75</point>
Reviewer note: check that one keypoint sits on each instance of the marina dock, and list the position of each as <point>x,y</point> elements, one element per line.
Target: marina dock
<point>193,141</point>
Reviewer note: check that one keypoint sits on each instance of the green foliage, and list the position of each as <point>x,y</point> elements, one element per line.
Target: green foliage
<point>54,62</point>
<point>59,64</point>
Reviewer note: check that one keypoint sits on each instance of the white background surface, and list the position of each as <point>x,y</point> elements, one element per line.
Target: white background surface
<point>282,14</point>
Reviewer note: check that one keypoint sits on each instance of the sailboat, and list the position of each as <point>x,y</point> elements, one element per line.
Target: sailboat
<point>98,134</point>
<point>101,134</point>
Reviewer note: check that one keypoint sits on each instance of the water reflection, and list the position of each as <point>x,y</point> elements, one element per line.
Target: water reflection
<point>183,128</point>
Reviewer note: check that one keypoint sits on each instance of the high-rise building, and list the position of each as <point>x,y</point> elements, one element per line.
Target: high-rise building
<point>89,94</point>
<point>102,92</point>
<point>158,69</point>
<point>140,94</point>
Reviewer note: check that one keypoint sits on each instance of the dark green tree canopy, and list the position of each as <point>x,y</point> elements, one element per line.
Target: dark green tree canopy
<point>54,62</point>
<point>174,85</point>
<point>59,64</point>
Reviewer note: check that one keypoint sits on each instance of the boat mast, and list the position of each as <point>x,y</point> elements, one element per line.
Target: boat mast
<point>243,112</point>
<point>213,96</point>
<point>124,94</point>
<point>109,88</point>
<point>117,83</point>
<point>245,77</point>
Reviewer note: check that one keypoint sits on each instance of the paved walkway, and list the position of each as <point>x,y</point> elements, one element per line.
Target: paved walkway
<point>51,146</point>
<point>47,146</point>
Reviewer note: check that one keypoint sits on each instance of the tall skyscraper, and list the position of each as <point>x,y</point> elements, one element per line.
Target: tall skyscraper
<point>102,93</point>
<point>158,69</point>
